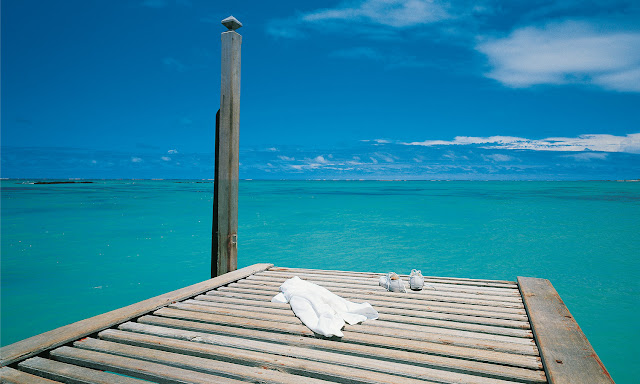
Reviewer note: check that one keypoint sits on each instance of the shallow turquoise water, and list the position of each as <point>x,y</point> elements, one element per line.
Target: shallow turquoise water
<point>70,251</point>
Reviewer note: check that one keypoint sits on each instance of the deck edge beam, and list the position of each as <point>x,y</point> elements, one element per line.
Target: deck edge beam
<point>567,356</point>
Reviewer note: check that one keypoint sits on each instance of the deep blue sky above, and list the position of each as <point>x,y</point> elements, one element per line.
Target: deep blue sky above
<point>375,89</point>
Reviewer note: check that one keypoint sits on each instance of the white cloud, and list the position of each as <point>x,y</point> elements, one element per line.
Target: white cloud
<point>601,142</point>
<point>172,151</point>
<point>320,160</point>
<point>166,158</point>
<point>136,160</point>
<point>392,13</point>
<point>563,53</point>
<point>376,19</point>
<point>588,156</point>
<point>286,158</point>
<point>386,157</point>
<point>498,157</point>
<point>272,149</point>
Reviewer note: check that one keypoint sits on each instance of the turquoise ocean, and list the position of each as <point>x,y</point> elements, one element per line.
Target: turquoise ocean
<point>70,251</point>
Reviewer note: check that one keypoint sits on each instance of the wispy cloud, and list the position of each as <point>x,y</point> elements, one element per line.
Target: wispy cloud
<point>393,13</point>
<point>372,18</point>
<point>565,53</point>
<point>588,156</point>
<point>598,142</point>
<point>355,160</point>
<point>498,157</point>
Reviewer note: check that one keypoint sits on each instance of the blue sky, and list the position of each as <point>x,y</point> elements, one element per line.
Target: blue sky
<point>373,89</point>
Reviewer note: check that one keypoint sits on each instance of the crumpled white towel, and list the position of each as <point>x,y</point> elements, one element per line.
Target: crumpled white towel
<point>321,310</point>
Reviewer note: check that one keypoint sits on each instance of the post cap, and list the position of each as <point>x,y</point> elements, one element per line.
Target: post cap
<point>232,23</point>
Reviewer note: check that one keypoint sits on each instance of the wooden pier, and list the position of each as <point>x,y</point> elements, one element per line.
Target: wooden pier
<point>226,330</point>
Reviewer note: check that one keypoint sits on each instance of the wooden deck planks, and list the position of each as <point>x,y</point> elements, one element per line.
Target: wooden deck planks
<point>427,280</point>
<point>416,308</point>
<point>135,367</point>
<point>268,333</point>
<point>376,289</point>
<point>566,353</point>
<point>406,315</point>
<point>394,320</point>
<point>356,273</point>
<point>216,367</point>
<point>408,303</point>
<point>292,359</point>
<point>226,330</point>
<point>291,324</point>
<point>315,348</point>
<point>286,315</point>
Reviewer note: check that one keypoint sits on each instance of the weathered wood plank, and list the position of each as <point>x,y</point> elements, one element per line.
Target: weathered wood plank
<point>13,376</point>
<point>69,373</point>
<point>566,353</point>
<point>421,312</point>
<point>286,325</point>
<point>291,359</point>
<point>215,367</point>
<point>427,279</point>
<point>356,273</point>
<point>417,353</point>
<point>145,370</point>
<point>394,320</point>
<point>396,301</point>
<point>36,344</point>
<point>378,291</point>
<point>390,304</point>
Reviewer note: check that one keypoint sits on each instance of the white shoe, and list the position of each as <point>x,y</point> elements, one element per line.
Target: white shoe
<point>392,282</point>
<point>416,280</point>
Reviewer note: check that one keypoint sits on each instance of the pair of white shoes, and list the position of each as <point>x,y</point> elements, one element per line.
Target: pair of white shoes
<point>393,283</point>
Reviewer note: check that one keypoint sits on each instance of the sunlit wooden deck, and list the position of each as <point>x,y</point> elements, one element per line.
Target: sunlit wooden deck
<point>226,330</point>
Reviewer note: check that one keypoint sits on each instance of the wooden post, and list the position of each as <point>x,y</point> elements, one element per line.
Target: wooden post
<point>224,254</point>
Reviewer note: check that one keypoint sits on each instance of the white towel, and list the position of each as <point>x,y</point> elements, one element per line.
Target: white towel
<point>319,309</point>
